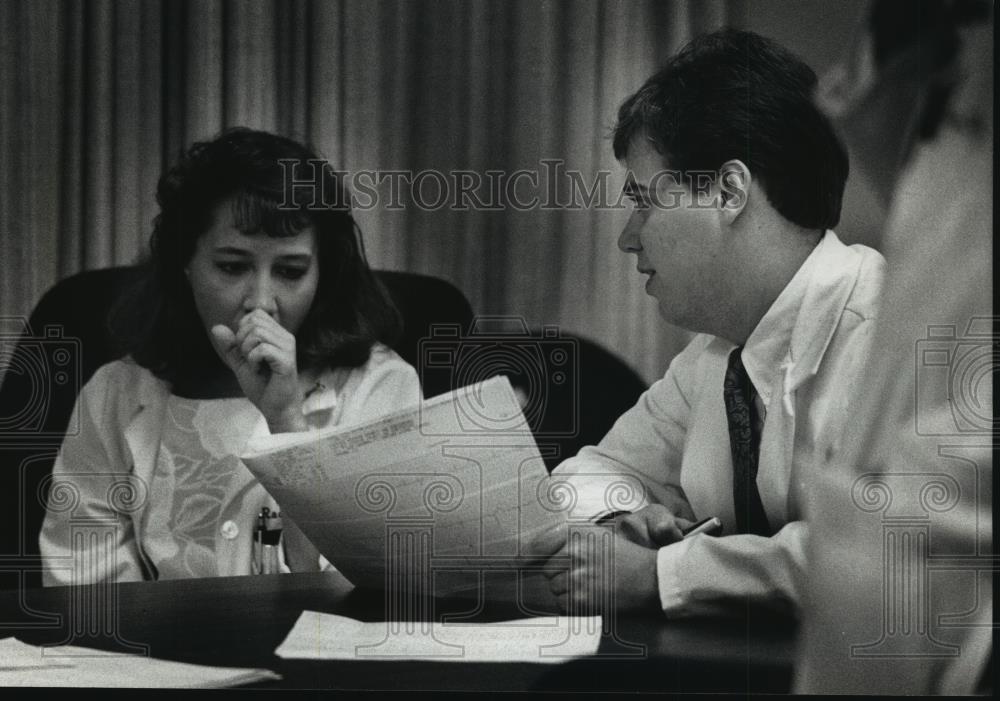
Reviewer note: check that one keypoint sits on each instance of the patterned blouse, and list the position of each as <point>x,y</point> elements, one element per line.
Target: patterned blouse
<point>196,504</point>
<point>203,498</point>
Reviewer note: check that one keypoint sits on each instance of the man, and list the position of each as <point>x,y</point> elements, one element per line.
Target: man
<point>737,180</point>
<point>889,611</point>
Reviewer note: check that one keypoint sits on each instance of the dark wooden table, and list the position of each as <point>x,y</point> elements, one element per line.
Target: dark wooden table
<point>239,621</point>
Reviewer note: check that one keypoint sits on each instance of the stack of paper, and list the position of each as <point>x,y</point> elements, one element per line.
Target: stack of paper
<point>323,636</point>
<point>27,665</point>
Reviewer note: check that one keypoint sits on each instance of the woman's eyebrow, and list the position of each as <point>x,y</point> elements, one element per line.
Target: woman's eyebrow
<point>232,250</point>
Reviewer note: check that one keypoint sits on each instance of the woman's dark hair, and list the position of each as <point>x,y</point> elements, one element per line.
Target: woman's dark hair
<point>278,187</point>
<point>734,94</point>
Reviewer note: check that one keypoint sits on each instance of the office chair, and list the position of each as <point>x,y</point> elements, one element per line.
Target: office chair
<point>571,389</point>
<point>66,340</point>
<point>581,398</point>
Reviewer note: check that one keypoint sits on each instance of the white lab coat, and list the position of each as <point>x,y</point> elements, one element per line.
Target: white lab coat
<point>673,446</point>
<point>101,477</point>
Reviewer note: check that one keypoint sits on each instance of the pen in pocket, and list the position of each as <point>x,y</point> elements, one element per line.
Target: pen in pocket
<point>266,541</point>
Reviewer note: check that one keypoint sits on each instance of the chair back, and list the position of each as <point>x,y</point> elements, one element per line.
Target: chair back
<point>580,390</point>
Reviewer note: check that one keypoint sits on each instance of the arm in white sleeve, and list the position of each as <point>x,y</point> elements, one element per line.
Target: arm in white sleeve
<point>639,461</point>
<point>87,535</point>
<point>698,574</point>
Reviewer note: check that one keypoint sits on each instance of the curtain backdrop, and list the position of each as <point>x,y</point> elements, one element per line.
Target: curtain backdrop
<point>97,97</point>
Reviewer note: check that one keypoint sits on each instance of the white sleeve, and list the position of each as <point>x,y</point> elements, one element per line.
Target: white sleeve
<point>699,574</point>
<point>639,461</point>
<point>87,535</point>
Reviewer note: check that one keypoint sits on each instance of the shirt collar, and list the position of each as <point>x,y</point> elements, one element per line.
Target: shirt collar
<point>788,343</point>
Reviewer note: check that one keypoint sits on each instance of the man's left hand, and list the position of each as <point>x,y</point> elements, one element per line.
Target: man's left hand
<point>604,571</point>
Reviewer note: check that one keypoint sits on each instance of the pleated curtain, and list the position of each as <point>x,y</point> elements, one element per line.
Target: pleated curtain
<point>98,97</point>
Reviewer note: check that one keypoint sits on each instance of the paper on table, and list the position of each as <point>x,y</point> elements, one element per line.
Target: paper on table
<point>458,480</point>
<point>26,665</point>
<point>324,636</point>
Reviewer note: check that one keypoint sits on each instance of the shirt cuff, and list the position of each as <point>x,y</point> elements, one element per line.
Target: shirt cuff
<point>673,594</point>
<point>595,495</point>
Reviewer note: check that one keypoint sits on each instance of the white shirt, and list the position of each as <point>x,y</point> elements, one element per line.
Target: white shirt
<point>673,446</point>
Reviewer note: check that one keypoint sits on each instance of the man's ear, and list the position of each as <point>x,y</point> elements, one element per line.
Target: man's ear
<point>734,187</point>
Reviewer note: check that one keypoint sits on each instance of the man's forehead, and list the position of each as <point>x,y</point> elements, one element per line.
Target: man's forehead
<point>645,181</point>
<point>643,165</point>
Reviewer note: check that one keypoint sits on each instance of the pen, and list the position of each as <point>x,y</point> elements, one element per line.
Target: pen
<point>267,539</point>
<point>709,526</point>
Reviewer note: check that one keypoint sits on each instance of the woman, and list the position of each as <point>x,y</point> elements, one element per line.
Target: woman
<point>258,314</point>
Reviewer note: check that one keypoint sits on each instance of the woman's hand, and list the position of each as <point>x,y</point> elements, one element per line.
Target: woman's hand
<point>262,356</point>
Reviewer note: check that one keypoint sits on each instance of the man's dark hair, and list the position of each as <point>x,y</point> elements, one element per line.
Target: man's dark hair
<point>736,95</point>
<point>159,324</point>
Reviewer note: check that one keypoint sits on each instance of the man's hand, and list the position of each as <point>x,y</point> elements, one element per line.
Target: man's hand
<point>262,356</point>
<point>652,526</point>
<point>590,569</point>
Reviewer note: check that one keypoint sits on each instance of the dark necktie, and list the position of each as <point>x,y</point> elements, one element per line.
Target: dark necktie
<point>744,441</point>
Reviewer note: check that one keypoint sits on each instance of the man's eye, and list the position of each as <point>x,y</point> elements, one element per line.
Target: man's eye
<point>231,268</point>
<point>639,202</point>
<point>292,273</point>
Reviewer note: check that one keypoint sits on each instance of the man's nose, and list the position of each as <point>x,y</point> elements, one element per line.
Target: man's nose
<point>628,241</point>
<point>260,294</point>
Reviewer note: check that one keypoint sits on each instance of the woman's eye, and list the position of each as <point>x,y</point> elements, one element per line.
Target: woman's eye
<point>639,202</point>
<point>230,268</point>
<point>292,273</point>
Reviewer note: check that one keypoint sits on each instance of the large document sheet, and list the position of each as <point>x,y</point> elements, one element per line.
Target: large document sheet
<point>426,497</point>
<point>64,665</point>
<point>547,639</point>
